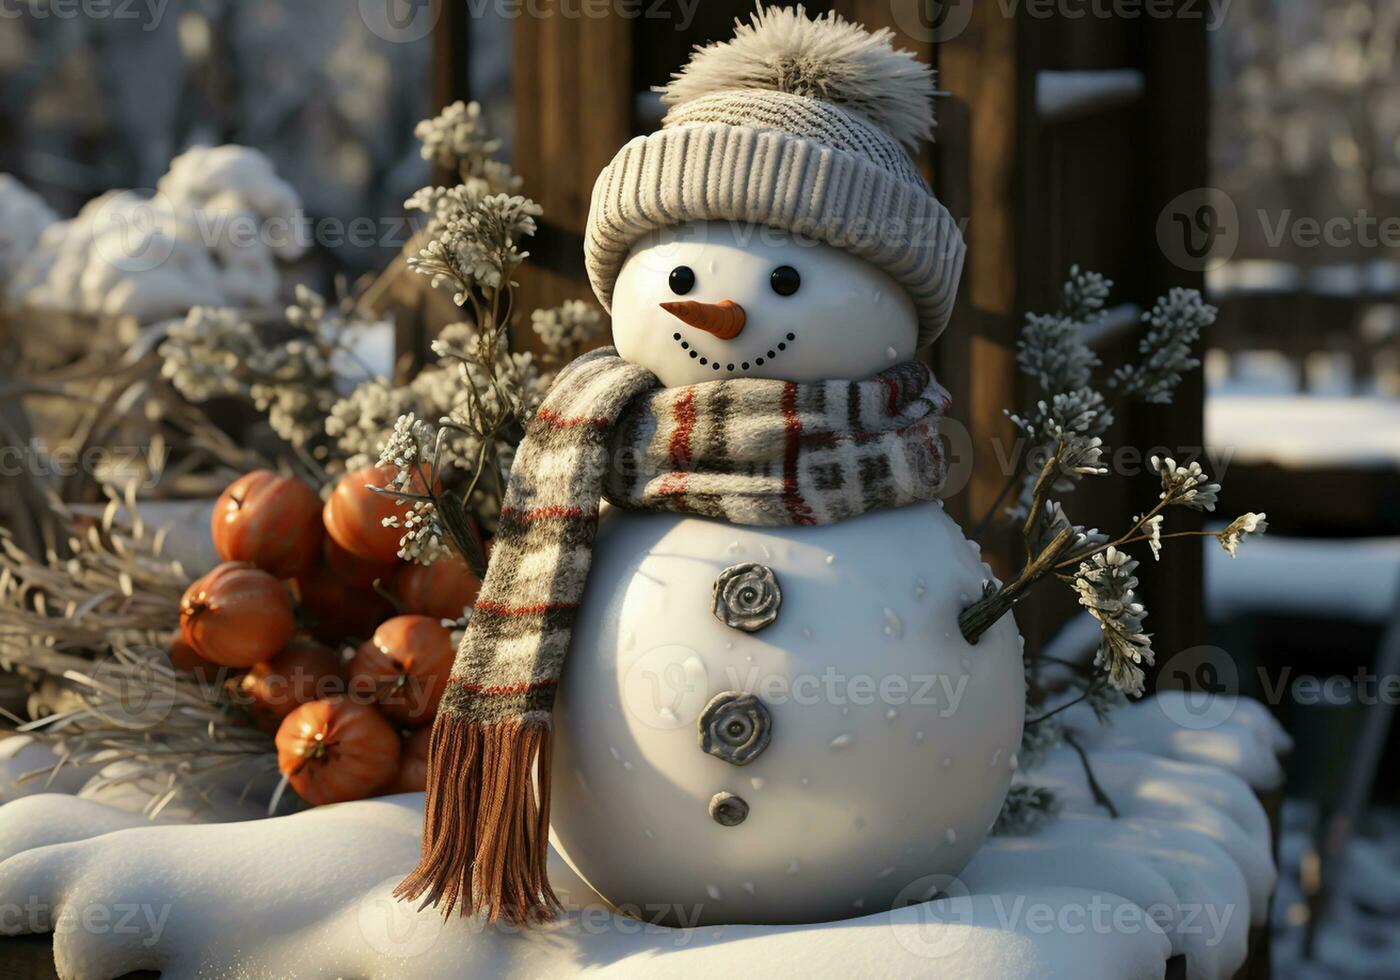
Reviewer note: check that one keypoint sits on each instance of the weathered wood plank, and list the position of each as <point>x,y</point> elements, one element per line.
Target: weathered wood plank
<point>1172,134</point>
<point>573,92</point>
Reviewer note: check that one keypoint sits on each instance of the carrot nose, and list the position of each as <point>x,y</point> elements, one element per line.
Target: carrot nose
<point>724,319</point>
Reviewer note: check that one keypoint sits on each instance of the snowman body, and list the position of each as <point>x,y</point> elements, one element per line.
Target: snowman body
<point>891,739</point>
<point>714,768</point>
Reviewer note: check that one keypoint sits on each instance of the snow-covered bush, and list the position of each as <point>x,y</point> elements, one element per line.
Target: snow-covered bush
<point>211,235</point>
<point>23,217</point>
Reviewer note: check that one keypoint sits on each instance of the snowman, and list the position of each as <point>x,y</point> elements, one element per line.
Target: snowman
<point>716,658</point>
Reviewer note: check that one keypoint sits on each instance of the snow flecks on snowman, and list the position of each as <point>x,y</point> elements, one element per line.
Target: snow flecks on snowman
<point>894,626</point>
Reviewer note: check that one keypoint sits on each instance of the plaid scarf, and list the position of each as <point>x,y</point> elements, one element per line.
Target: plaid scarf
<point>750,451</point>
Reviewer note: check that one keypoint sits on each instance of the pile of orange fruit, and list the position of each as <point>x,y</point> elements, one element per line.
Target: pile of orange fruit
<point>301,580</point>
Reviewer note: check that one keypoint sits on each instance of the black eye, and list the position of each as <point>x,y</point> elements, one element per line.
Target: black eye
<point>682,280</point>
<point>785,280</point>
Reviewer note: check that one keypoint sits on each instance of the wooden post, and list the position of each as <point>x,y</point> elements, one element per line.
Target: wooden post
<point>573,94</point>
<point>977,171</point>
<point>1172,131</point>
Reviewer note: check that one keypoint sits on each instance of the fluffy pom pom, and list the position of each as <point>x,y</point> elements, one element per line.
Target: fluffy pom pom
<point>782,49</point>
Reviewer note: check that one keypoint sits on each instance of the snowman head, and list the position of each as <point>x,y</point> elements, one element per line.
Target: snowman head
<point>711,300</point>
<point>776,225</point>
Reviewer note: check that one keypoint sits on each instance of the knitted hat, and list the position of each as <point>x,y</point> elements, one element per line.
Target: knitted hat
<point>801,124</point>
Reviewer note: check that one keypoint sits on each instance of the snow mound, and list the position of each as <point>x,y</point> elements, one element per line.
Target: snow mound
<point>210,235</point>
<point>23,217</point>
<point>1186,870</point>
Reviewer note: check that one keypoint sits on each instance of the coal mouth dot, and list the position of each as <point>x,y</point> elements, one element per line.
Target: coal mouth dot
<point>743,365</point>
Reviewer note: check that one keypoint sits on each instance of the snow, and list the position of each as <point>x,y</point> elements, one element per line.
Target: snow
<point>23,754</point>
<point>1303,430</point>
<point>23,217</point>
<point>1351,579</point>
<point>1377,278</point>
<point>1063,95</point>
<point>211,234</point>
<point>1185,871</point>
<point>1360,937</point>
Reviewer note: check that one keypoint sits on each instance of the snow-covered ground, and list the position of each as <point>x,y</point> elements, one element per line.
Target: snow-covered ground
<point>1328,578</point>
<point>1185,870</point>
<point>1359,939</point>
<point>1256,415</point>
<point>1307,430</point>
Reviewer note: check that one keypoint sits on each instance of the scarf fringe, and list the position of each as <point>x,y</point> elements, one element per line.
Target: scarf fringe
<point>486,822</point>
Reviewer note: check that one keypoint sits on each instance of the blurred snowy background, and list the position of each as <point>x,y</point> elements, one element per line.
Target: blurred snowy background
<point>1302,388</point>
<point>93,103</point>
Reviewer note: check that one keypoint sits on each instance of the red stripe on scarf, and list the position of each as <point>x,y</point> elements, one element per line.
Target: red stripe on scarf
<point>671,485</point>
<point>558,421</point>
<point>684,413</point>
<point>499,609</point>
<point>891,395</point>
<point>508,689</point>
<point>796,506</point>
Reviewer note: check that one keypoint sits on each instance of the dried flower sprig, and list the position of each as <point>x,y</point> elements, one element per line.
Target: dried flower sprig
<point>474,240</point>
<point>456,139</point>
<point>1052,350</point>
<point>1174,324</point>
<point>1103,578</point>
<point>453,442</point>
<point>289,371</point>
<point>1066,428</point>
<point>1105,585</point>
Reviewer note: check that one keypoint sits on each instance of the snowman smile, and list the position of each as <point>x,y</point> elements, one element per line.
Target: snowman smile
<point>725,320</point>
<point>745,365</point>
